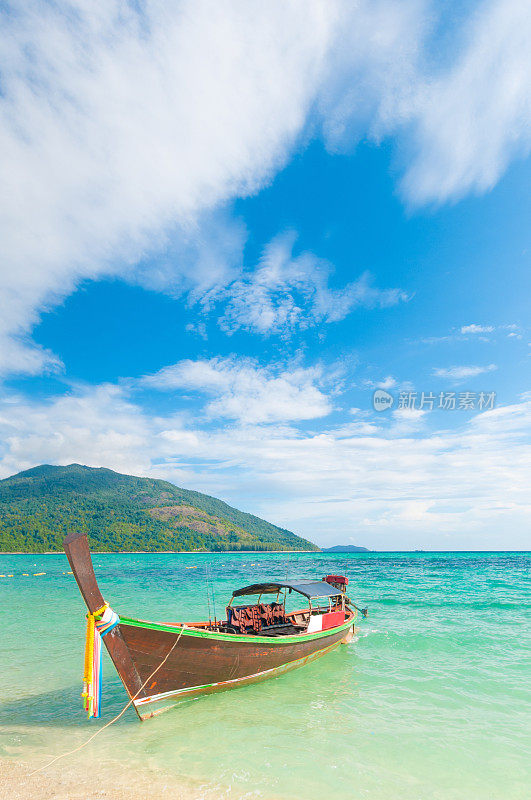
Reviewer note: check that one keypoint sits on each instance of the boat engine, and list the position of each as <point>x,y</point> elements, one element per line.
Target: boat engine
<point>337,581</point>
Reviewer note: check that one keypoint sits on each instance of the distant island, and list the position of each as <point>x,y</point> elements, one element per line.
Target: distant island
<point>345,548</point>
<point>39,506</point>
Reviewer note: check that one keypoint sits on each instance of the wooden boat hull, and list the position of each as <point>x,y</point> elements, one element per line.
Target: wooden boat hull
<point>160,663</point>
<point>204,662</point>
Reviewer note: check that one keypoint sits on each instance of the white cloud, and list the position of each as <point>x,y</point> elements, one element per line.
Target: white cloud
<point>460,116</point>
<point>407,421</point>
<point>96,425</point>
<point>386,383</point>
<point>244,391</point>
<point>482,332</point>
<point>20,355</point>
<point>124,129</point>
<point>466,488</point>
<point>463,372</point>
<point>474,117</point>
<point>473,328</point>
<point>286,292</point>
<point>121,127</point>
<point>198,329</point>
<point>515,332</point>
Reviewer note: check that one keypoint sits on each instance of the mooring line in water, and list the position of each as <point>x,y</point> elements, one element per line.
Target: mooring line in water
<point>117,717</point>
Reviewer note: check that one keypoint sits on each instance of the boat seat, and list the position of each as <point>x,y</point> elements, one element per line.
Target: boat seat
<point>254,618</point>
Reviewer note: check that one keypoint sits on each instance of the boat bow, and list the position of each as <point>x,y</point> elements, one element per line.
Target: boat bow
<point>78,553</point>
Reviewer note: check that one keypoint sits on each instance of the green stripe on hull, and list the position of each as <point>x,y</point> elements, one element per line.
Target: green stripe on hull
<point>234,637</point>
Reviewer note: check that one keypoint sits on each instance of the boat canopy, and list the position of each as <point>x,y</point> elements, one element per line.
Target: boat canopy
<point>309,589</point>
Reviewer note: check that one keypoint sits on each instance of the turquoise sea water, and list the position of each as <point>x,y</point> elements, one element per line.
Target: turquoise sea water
<point>430,701</point>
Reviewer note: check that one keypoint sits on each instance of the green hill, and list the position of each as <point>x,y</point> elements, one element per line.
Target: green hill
<point>39,506</point>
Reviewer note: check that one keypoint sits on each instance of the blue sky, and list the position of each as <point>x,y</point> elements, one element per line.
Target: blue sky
<point>225,228</point>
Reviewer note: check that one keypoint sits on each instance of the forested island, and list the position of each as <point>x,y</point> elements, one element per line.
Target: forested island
<point>39,506</point>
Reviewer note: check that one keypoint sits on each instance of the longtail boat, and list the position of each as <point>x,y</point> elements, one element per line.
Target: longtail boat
<point>160,663</point>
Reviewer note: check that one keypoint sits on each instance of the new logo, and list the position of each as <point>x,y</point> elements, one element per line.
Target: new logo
<point>382,400</point>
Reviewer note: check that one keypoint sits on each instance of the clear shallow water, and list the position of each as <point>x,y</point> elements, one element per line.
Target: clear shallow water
<point>431,700</point>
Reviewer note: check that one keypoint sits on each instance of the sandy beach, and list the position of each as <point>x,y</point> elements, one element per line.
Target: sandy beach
<point>61,783</point>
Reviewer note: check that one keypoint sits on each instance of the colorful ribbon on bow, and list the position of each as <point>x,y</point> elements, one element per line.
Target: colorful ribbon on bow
<point>99,623</point>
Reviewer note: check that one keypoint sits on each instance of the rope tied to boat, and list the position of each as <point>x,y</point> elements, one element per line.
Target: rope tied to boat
<point>99,623</point>
<point>132,699</point>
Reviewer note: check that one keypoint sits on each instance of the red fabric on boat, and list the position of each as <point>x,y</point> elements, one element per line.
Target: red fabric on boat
<point>332,619</point>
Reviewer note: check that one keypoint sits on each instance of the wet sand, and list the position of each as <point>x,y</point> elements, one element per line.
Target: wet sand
<point>58,784</point>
